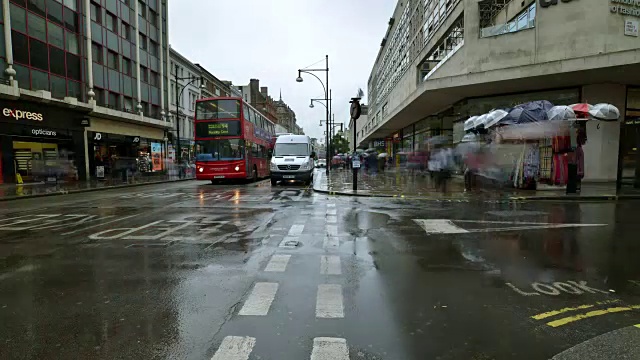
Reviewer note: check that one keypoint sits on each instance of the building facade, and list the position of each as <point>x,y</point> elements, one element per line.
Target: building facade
<point>188,77</point>
<point>287,117</point>
<point>441,62</point>
<point>259,98</point>
<point>87,92</point>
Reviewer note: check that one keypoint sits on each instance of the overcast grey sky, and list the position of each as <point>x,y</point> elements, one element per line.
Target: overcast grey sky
<point>271,39</point>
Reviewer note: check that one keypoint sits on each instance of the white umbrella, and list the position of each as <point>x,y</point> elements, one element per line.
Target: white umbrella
<point>382,155</point>
<point>480,120</point>
<point>494,117</point>
<point>469,138</point>
<point>470,124</point>
<point>606,112</point>
<point>561,113</point>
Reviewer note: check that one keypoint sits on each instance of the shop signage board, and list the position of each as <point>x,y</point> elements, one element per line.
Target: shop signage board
<point>100,172</point>
<point>625,7</point>
<point>156,156</point>
<point>631,28</point>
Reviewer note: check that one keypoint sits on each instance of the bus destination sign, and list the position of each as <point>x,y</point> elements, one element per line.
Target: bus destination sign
<point>218,128</point>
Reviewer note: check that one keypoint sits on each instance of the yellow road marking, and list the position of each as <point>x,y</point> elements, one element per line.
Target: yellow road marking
<point>567,309</point>
<point>570,319</point>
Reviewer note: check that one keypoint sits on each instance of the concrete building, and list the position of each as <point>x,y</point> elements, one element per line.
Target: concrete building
<point>441,62</point>
<point>286,116</point>
<point>83,80</point>
<point>189,90</point>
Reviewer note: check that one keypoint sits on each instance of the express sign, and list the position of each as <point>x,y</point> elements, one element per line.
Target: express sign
<point>21,114</point>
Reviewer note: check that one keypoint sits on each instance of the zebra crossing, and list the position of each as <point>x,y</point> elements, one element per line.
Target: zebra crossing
<point>329,302</point>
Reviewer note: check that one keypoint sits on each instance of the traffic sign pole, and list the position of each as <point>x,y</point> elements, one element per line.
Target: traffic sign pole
<point>355,112</point>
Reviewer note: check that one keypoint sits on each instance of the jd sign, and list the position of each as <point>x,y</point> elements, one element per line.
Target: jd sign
<point>547,3</point>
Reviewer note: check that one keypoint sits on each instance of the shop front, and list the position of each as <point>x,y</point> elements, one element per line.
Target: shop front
<point>116,147</point>
<point>40,143</point>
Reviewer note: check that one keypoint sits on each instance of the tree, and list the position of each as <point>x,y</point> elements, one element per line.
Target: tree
<point>339,145</point>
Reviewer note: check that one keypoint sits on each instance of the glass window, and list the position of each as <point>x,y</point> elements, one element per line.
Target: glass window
<point>20,47</point>
<point>218,109</point>
<point>112,22</point>
<point>523,20</point>
<point>126,31</point>
<point>39,80</point>
<point>37,6</point>
<point>153,18</point>
<point>142,9</point>
<point>18,18</point>
<point>112,60</point>
<point>58,87</point>
<point>113,100</point>
<point>38,54</point>
<point>245,109</point>
<point>54,11</point>
<point>72,43</point>
<point>56,61</point>
<point>73,67</point>
<point>143,42</point>
<point>74,89</point>
<point>126,66</point>
<point>99,96</point>
<point>154,79</point>
<point>71,4</point>
<point>96,13</point>
<point>212,150</point>
<point>128,103</point>
<point>56,35</point>
<point>37,27</point>
<point>96,51</point>
<point>144,74</point>
<point>71,21</point>
<point>153,48</point>
<point>291,149</point>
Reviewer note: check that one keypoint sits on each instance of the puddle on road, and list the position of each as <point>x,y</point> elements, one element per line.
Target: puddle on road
<point>367,220</point>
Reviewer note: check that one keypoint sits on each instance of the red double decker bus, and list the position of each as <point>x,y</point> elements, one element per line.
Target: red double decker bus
<point>233,140</point>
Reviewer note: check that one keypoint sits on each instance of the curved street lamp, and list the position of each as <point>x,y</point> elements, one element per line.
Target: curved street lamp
<point>327,99</point>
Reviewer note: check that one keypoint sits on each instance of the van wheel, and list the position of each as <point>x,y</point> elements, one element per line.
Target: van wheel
<point>274,182</point>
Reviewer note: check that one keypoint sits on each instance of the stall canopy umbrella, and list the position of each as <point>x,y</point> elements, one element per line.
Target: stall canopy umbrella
<point>605,112</point>
<point>581,110</point>
<point>534,111</point>
<point>561,113</point>
<point>479,121</point>
<point>494,117</point>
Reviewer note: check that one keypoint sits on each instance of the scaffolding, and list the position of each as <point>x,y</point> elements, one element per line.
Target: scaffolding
<point>489,9</point>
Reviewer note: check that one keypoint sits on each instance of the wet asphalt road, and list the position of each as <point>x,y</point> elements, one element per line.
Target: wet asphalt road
<point>195,271</point>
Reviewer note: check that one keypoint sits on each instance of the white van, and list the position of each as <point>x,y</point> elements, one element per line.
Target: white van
<point>293,159</point>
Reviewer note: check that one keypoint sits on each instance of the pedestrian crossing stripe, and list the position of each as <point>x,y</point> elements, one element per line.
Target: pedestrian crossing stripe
<point>241,347</point>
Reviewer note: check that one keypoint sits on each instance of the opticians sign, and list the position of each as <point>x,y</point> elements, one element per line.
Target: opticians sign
<point>21,114</point>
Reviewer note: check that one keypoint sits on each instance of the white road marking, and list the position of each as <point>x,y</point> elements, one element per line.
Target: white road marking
<point>332,219</point>
<point>296,230</point>
<point>289,242</point>
<point>440,226</point>
<point>235,348</point>
<point>260,299</point>
<point>97,225</point>
<point>332,230</point>
<point>330,265</point>
<point>329,301</point>
<point>327,348</point>
<point>332,211</point>
<point>278,263</point>
<point>331,205</point>
<point>331,242</point>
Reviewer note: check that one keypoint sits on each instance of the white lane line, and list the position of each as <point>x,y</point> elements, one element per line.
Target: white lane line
<point>260,299</point>
<point>332,230</point>
<point>235,348</point>
<point>332,219</point>
<point>329,301</point>
<point>330,265</point>
<point>332,212</point>
<point>296,230</point>
<point>440,226</point>
<point>327,348</point>
<point>331,242</point>
<point>278,263</point>
<point>331,205</point>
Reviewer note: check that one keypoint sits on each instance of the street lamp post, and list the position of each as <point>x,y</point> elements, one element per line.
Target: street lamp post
<point>325,86</point>
<point>179,92</point>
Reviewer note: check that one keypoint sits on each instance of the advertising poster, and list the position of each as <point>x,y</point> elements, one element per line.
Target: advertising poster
<point>156,156</point>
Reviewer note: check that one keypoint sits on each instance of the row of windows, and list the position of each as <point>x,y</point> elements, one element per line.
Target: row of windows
<point>257,118</point>
<point>258,151</point>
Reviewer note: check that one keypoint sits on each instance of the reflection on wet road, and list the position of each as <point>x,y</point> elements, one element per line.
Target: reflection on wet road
<point>195,271</point>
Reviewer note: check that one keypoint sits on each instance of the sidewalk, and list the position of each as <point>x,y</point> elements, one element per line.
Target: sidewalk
<point>15,191</point>
<point>406,185</point>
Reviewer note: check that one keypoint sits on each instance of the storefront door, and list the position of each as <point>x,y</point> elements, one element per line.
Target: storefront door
<point>630,141</point>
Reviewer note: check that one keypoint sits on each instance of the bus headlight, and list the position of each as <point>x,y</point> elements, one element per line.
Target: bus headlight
<point>237,168</point>
<point>201,169</point>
